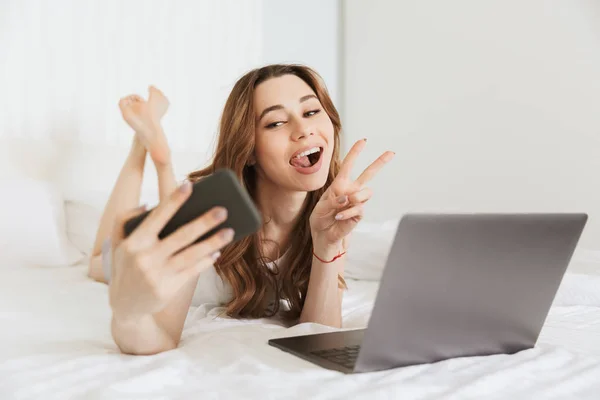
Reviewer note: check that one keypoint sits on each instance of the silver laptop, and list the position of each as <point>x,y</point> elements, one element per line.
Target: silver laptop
<point>454,286</point>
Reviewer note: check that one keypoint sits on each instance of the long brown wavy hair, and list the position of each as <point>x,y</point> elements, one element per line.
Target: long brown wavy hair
<point>256,290</point>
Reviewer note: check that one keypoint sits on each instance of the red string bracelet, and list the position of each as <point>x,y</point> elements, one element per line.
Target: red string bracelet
<point>328,262</point>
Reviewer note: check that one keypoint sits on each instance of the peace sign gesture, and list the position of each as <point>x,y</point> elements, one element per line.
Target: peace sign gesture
<point>341,206</point>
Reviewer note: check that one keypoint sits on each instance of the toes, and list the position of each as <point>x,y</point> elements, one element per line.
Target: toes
<point>124,102</point>
<point>128,100</point>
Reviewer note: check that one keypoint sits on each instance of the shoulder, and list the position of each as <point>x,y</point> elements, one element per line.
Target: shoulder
<point>211,289</point>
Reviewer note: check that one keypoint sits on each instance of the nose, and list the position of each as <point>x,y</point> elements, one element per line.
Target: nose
<point>301,131</point>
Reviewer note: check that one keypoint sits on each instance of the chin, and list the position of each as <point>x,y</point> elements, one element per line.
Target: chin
<point>310,183</point>
<point>315,184</point>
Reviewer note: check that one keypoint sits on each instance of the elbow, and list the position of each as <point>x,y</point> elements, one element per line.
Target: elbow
<point>137,342</point>
<point>334,323</point>
<point>144,347</point>
<point>147,350</point>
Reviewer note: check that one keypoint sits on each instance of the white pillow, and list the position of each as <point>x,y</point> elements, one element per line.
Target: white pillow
<point>82,224</point>
<point>83,217</point>
<point>27,157</point>
<point>369,246</point>
<point>86,176</point>
<point>371,243</point>
<point>33,229</point>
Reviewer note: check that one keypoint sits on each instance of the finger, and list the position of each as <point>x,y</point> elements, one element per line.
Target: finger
<point>191,231</point>
<point>135,97</point>
<point>118,232</point>
<point>159,216</point>
<point>372,169</point>
<point>348,162</point>
<point>207,248</point>
<point>339,201</point>
<point>352,212</point>
<point>360,196</point>
<point>192,271</point>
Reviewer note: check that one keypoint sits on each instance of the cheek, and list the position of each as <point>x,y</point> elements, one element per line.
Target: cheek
<point>327,128</point>
<point>267,150</point>
<point>328,132</point>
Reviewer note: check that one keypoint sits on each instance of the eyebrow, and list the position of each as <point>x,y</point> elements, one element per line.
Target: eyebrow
<point>280,107</point>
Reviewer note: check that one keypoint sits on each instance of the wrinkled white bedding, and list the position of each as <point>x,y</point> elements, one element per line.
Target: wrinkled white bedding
<point>55,343</point>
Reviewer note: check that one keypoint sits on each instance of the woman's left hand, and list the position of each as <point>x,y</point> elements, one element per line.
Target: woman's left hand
<point>340,208</point>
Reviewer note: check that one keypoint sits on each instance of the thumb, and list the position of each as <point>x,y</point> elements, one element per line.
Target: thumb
<point>118,233</point>
<point>338,202</point>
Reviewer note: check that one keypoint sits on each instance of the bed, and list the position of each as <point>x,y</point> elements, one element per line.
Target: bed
<point>55,340</point>
<point>55,343</point>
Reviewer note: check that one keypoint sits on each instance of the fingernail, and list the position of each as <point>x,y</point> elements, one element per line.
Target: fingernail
<point>342,199</point>
<point>215,255</point>
<point>185,187</point>
<point>141,208</point>
<point>220,214</point>
<point>227,234</point>
<point>339,216</point>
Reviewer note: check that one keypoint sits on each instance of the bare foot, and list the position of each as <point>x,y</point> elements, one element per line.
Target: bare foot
<point>158,102</point>
<point>144,118</point>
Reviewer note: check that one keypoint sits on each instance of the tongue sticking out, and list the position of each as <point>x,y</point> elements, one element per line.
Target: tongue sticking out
<point>302,162</point>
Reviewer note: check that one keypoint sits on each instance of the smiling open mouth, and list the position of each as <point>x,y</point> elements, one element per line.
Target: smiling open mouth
<point>307,158</point>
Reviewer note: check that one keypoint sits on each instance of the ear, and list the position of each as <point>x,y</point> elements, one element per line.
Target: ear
<point>251,160</point>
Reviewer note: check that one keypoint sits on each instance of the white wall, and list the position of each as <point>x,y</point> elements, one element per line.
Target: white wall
<point>307,32</point>
<point>65,64</point>
<point>490,106</point>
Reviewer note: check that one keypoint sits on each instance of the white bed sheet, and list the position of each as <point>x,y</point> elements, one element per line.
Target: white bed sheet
<point>55,343</point>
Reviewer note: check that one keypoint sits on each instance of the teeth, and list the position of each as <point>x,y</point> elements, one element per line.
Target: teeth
<point>307,152</point>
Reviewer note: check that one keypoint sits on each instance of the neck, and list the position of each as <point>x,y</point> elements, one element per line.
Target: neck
<point>280,209</point>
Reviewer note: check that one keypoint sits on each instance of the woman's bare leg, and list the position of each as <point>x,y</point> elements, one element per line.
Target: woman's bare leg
<point>160,148</point>
<point>124,196</point>
<point>144,117</point>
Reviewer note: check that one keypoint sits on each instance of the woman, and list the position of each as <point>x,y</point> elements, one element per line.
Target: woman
<point>279,133</point>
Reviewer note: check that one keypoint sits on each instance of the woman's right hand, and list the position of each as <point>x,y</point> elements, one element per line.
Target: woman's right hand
<point>147,272</point>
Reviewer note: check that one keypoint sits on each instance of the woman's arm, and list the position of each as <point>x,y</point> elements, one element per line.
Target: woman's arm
<point>153,279</point>
<point>154,333</point>
<point>162,330</point>
<point>159,331</point>
<point>335,215</point>
<point>323,303</point>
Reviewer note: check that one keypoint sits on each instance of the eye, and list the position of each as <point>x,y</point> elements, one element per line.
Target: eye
<point>275,124</point>
<point>311,113</point>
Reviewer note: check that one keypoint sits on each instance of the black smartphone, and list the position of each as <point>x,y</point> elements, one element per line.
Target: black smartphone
<point>222,188</point>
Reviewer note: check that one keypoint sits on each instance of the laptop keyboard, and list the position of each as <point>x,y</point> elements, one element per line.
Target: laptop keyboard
<point>345,356</point>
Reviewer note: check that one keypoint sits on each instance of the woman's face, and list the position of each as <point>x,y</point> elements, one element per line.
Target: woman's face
<point>294,135</point>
